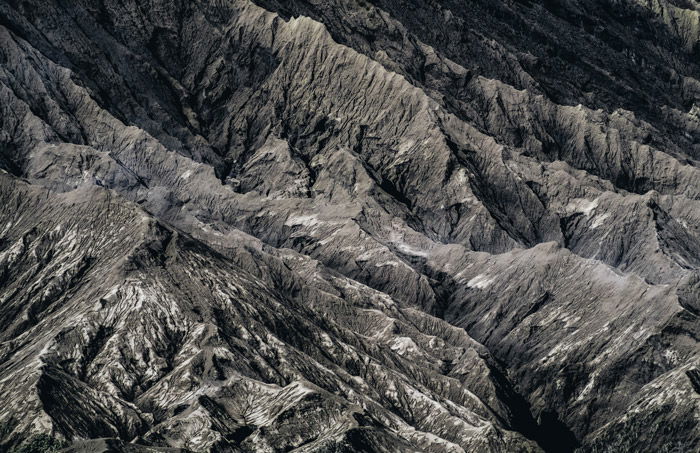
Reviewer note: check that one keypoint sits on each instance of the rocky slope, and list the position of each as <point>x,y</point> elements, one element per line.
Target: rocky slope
<point>350,226</point>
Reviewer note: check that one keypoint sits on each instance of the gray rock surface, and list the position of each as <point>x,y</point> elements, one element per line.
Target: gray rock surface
<point>350,225</point>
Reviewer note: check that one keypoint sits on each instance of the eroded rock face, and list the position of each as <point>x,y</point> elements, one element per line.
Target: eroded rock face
<point>350,226</point>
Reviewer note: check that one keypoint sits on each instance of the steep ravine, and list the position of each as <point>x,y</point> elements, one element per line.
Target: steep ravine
<point>349,226</point>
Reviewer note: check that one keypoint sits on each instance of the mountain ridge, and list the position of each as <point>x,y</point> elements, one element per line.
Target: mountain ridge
<point>538,259</point>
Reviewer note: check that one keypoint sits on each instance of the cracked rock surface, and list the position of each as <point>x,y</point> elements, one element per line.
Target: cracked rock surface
<point>350,225</point>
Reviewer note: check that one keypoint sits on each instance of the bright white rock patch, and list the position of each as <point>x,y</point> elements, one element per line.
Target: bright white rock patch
<point>481,281</point>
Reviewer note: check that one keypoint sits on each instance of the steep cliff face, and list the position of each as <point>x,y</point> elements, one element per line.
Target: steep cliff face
<point>350,226</point>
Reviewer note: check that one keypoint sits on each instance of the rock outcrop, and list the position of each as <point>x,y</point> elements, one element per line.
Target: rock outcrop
<point>350,225</point>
